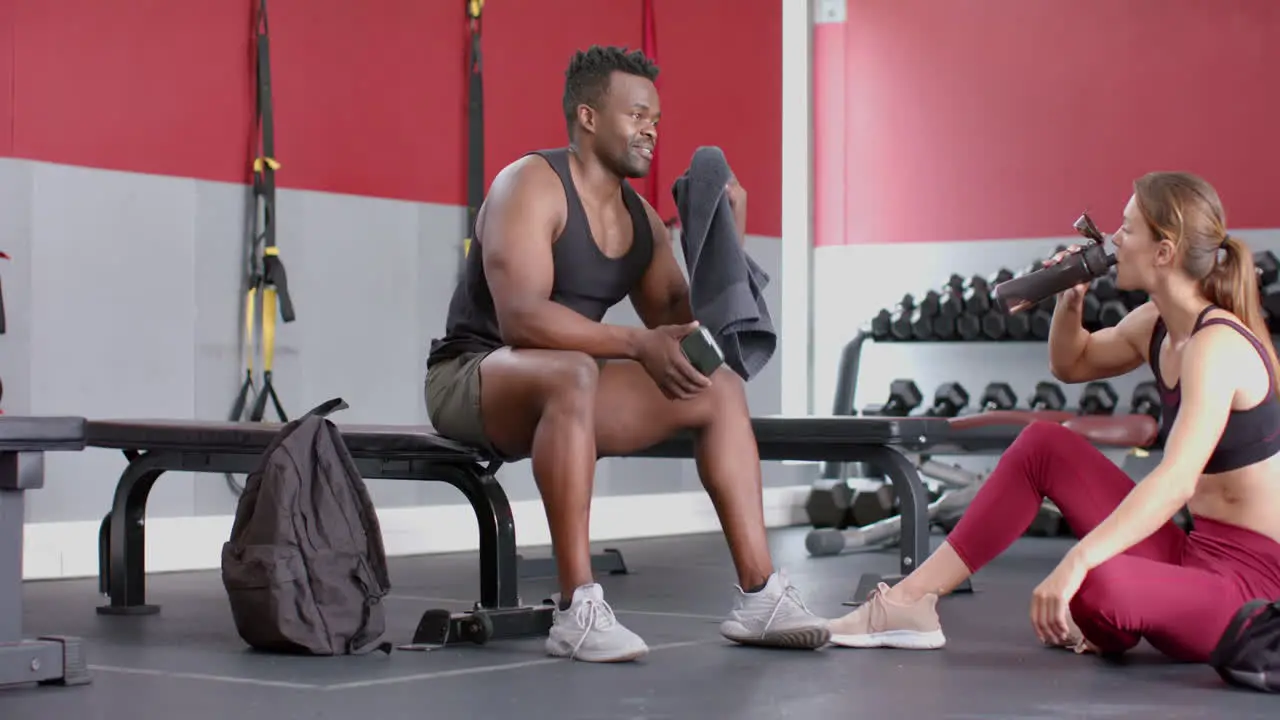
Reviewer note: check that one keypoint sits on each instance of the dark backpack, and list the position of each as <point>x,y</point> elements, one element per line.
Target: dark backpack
<point>305,568</point>
<point>1248,653</point>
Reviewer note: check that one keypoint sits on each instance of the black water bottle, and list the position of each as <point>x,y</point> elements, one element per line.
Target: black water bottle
<point>1022,293</point>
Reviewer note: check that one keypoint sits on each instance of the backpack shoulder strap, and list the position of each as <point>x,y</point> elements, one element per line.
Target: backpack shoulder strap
<point>1225,649</point>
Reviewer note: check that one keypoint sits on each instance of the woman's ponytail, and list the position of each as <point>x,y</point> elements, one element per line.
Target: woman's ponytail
<point>1233,286</point>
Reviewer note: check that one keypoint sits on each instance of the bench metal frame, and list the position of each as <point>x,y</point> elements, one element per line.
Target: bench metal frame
<point>122,538</point>
<point>48,659</point>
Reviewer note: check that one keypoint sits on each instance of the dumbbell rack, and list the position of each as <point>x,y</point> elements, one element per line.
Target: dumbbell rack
<point>847,377</point>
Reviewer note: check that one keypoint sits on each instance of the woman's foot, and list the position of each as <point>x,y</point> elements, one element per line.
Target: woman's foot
<point>885,621</point>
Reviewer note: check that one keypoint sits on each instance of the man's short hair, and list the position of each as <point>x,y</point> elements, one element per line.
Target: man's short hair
<point>587,78</point>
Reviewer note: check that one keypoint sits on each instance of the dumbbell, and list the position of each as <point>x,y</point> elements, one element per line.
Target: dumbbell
<point>923,314</point>
<point>951,302</point>
<point>1267,267</point>
<point>977,296</point>
<point>999,276</point>
<point>1089,310</point>
<point>1146,400</point>
<point>1111,312</point>
<point>997,396</point>
<point>900,322</point>
<point>1017,326</point>
<point>1271,300</point>
<point>829,504</point>
<point>1111,304</point>
<point>944,327</point>
<point>871,506</point>
<point>1047,396</point>
<point>904,397</point>
<point>1098,398</point>
<point>1041,322</point>
<point>880,325</point>
<point>968,327</point>
<point>948,400</point>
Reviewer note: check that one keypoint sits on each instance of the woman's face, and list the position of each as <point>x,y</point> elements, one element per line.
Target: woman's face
<point>1137,252</point>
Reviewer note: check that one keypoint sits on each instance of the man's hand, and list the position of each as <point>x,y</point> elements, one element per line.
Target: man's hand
<point>662,358</point>
<point>738,202</point>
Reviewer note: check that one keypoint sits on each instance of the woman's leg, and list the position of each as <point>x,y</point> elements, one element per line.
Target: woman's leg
<point>1181,611</point>
<point>1047,460</point>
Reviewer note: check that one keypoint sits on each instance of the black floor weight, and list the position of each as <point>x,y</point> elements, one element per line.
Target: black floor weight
<point>830,504</point>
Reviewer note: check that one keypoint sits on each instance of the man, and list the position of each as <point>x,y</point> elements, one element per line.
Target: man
<point>527,369</point>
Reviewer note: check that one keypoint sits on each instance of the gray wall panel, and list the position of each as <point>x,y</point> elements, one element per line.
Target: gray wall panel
<point>113,320</point>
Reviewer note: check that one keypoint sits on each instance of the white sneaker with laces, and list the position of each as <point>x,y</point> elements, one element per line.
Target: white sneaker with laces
<point>775,617</point>
<point>590,632</point>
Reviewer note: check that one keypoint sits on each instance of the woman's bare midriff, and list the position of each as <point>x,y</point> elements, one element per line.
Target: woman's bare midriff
<point>1247,498</point>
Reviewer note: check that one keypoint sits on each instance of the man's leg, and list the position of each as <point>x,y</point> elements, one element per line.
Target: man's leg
<point>565,411</point>
<point>632,414</point>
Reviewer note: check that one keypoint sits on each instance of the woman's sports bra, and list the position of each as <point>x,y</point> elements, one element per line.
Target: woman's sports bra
<point>1250,435</point>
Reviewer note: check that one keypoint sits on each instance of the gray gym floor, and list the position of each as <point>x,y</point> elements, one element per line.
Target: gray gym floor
<point>188,663</point>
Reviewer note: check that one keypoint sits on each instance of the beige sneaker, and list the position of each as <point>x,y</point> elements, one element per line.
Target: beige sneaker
<point>880,623</point>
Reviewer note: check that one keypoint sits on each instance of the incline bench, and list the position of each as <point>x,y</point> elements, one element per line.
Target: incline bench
<point>49,660</point>
<point>417,453</point>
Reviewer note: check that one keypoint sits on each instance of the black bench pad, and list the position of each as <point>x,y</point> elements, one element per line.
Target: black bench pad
<point>19,433</point>
<point>835,437</point>
<point>381,441</point>
<point>778,437</point>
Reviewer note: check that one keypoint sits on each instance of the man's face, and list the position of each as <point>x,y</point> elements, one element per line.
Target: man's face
<point>626,127</point>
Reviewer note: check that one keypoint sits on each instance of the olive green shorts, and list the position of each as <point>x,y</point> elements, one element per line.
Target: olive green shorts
<point>453,400</point>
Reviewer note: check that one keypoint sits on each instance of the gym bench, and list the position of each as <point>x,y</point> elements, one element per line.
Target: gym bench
<point>418,453</point>
<point>47,660</point>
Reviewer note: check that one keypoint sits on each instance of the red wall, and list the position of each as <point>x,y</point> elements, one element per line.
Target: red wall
<point>370,95</point>
<point>6,78</point>
<point>981,119</point>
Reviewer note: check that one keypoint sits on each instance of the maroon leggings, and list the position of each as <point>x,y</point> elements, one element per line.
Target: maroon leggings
<point>1175,589</point>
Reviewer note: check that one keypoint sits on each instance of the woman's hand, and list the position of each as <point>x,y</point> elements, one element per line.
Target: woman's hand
<point>1051,600</point>
<point>1072,296</point>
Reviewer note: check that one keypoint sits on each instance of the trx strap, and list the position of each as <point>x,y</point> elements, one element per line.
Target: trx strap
<point>475,125</point>
<point>266,274</point>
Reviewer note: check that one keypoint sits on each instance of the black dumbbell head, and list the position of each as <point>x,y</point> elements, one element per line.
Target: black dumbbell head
<point>1268,267</point>
<point>1098,398</point>
<point>968,326</point>
<point>1146,399</point>
<point>928,304</point>
<point>977,296</point>
<point>994,325</point>
<point>952,395</point>
<point>999,396</point>
<point>1111,312</point>
<point>903,392</point>
<point>1048,396</point>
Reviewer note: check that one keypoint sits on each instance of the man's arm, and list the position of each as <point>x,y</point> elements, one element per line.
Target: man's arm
<point>662,297</point>
<point>522,217</point>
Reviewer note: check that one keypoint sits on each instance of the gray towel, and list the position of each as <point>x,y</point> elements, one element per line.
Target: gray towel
<point>726,286</point>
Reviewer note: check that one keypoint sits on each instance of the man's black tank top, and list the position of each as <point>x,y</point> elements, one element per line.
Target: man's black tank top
<point>586,280</point>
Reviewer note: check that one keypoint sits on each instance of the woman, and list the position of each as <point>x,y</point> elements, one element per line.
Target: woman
<point>1134,574</point>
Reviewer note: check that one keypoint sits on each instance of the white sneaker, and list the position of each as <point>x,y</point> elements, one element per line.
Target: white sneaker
<point>590,632</point>
<point>775,617</point>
